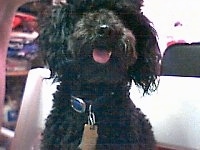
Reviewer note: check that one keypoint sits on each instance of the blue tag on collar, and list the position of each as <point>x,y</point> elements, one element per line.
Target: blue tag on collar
<point>78,104</point>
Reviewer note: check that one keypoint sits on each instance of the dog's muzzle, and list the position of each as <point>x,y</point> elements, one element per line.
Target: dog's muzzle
<point>102,51</point>
<point>104,30</point>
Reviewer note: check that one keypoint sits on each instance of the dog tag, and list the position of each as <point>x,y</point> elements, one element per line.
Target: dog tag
<point>89,138</point>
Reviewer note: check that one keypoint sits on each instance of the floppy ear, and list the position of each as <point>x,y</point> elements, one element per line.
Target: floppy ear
<point>56,24</point>
<point>146,70</point>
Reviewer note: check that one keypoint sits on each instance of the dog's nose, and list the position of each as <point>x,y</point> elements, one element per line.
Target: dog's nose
<point>104,30</point>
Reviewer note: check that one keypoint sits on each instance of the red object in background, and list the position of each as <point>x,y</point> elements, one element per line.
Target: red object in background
<point>174,42</point>
<point>177,35</point>
<point>20,18</point>
<point>16,22</point>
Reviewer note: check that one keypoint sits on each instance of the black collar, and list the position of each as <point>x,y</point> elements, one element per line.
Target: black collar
<point>83,100</point>
<point>82,105</point>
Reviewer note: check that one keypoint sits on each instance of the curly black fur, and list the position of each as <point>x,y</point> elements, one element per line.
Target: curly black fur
<point>70,35</point>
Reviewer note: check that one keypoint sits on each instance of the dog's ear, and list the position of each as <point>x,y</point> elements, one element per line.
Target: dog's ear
<point>56,23</point>
<point>146,69</point>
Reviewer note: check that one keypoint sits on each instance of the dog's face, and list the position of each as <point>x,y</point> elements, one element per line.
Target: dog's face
<point>103,46</point>
<point>107,41</point>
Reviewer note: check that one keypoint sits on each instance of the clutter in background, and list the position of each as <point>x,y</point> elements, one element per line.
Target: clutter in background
<point>178,34</point>
<point>23,47</point>
<point>22,51</point>
<point>11,109</point>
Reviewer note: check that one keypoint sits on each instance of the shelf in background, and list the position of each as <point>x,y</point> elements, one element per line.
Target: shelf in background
<point>17,73</point>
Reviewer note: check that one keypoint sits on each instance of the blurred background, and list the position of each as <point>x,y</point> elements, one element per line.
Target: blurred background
<point>165,14</point>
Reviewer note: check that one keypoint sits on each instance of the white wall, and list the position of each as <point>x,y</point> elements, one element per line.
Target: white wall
<point>173,111</point>
<point>164,14</point>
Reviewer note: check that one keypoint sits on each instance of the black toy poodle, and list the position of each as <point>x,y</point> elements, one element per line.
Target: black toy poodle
<point>96,49</point>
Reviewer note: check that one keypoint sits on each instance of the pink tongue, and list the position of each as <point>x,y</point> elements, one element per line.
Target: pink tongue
<point>101,56</point>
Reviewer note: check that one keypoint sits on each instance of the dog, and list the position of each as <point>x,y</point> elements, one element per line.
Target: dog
<point>96,50</point>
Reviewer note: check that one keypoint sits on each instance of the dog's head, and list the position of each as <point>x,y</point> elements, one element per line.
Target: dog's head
<point>108,41</point>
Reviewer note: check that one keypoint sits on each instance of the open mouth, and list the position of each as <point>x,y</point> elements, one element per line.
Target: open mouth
<point>101,56</point>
